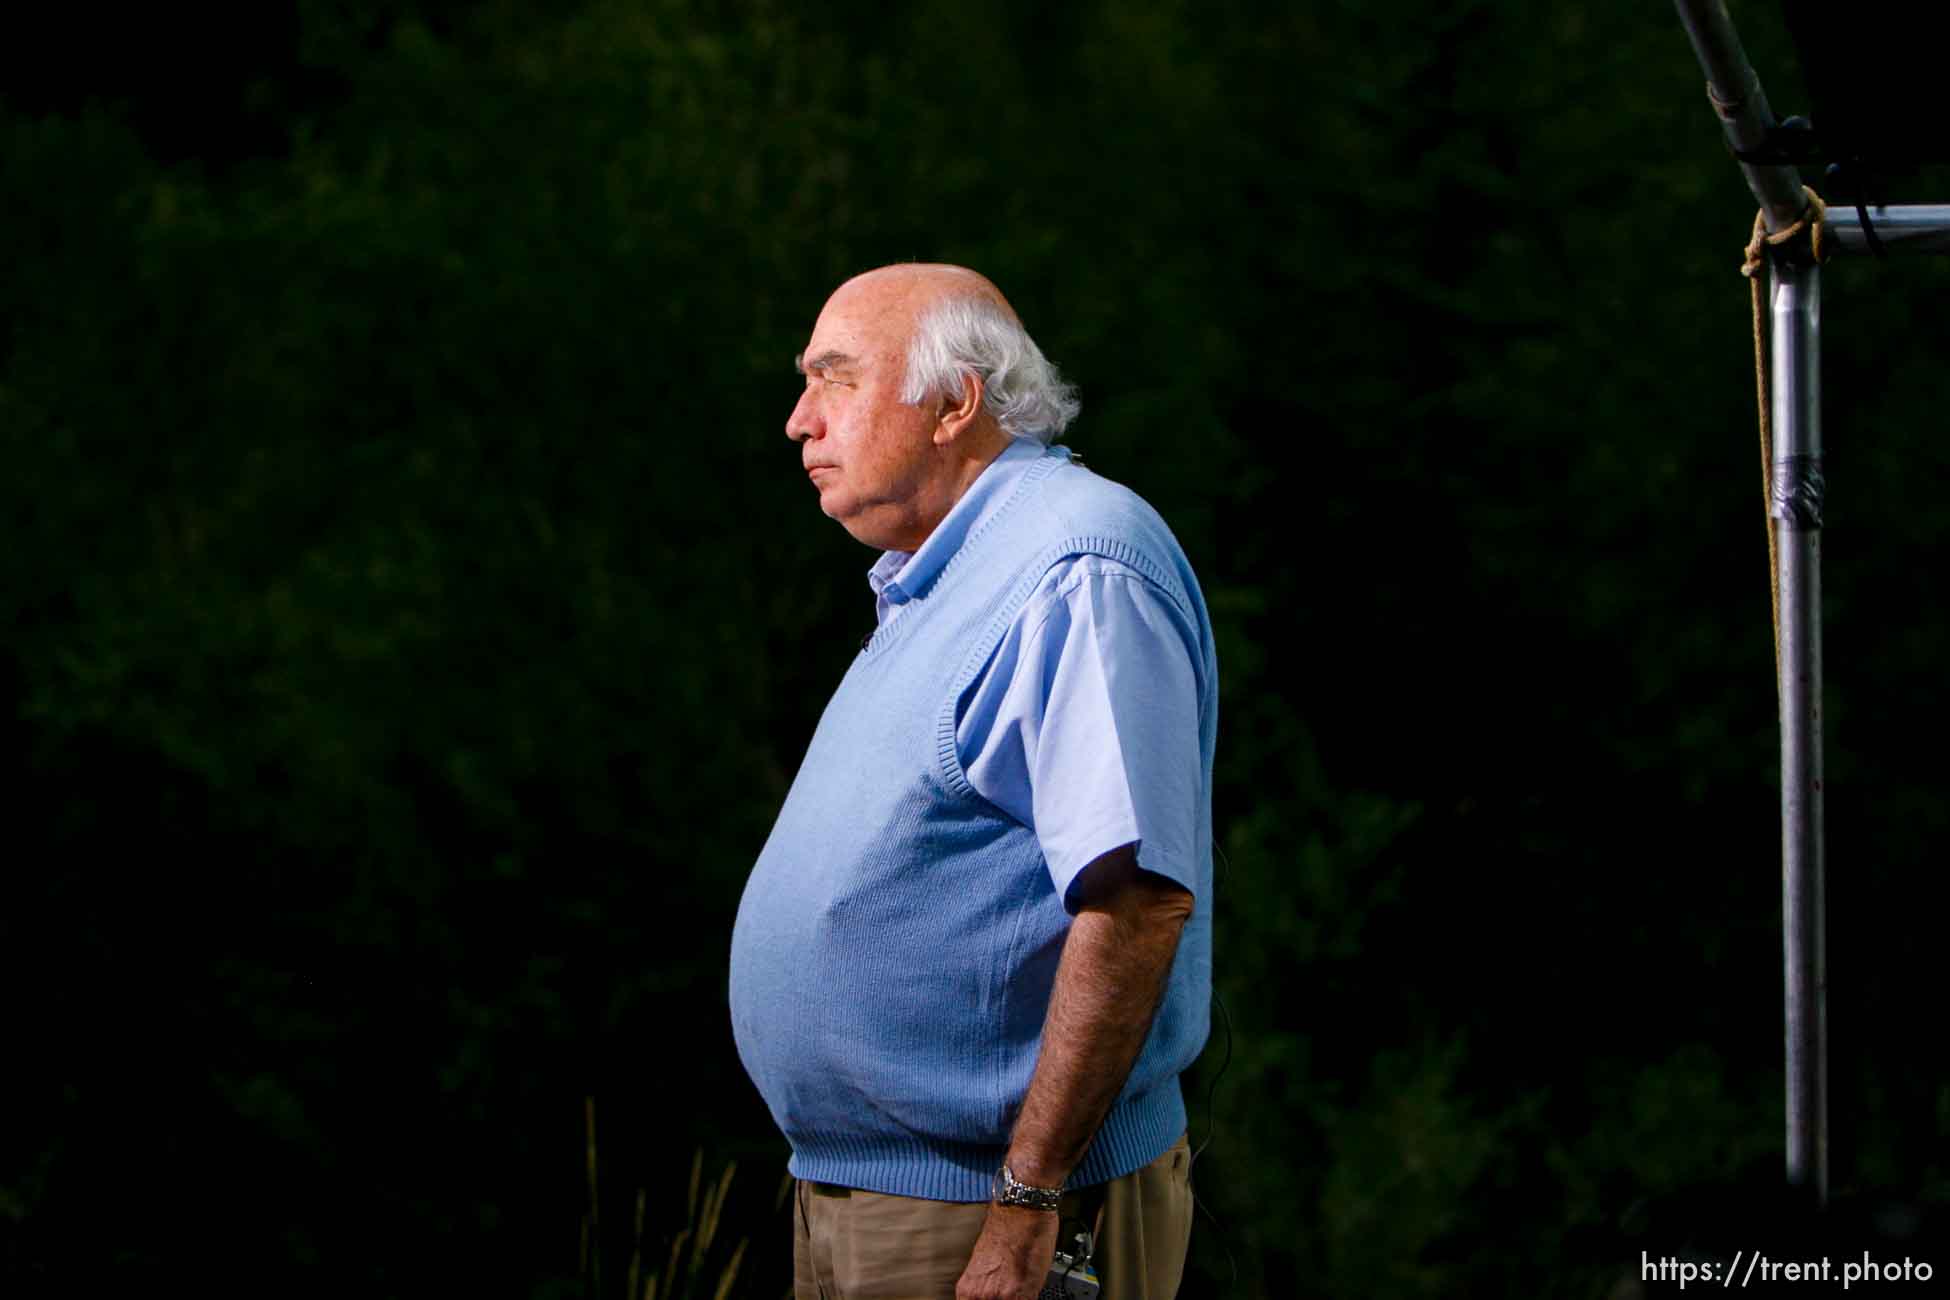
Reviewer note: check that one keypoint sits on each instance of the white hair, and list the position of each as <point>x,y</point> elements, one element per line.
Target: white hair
<point>970,334</point>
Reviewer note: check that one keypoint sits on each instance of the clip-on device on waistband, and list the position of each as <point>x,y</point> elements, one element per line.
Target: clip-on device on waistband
<point>1071,1274</point>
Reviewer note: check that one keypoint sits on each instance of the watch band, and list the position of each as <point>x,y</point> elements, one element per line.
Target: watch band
<point>1007,1191</point>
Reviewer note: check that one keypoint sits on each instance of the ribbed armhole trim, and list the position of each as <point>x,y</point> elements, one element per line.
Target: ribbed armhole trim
<point>1111,548</point>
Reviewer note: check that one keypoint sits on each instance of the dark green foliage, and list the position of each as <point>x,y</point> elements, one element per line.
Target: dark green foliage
<point>416,616</point>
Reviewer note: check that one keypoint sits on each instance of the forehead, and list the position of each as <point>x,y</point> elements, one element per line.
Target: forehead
<point>864,319</point>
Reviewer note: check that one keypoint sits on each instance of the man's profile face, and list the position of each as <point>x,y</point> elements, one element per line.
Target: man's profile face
<point>869,454</point>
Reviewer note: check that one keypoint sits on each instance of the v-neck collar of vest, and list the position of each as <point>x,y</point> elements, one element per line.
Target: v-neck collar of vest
<point>1053,457</point>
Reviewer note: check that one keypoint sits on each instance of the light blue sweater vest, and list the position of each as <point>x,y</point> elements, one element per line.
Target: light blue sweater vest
<point>894,952</point>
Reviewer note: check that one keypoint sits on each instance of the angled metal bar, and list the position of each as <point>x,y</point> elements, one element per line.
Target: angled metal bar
<point>1741,105</point>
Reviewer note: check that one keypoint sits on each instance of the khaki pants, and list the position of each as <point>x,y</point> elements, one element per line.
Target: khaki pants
<point>854,1245</point>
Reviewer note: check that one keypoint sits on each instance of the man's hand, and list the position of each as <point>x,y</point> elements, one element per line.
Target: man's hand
<point>1012,1256</point>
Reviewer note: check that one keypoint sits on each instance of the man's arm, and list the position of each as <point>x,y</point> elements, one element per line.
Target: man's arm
<point>1109,983</point>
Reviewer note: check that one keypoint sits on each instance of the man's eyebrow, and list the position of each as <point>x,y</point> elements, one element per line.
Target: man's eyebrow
<point>828,360</point>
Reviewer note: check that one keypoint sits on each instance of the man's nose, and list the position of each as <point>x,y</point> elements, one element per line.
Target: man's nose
<point>801,424</point>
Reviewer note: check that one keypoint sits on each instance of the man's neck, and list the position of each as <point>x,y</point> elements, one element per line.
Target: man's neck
<point>969,464</point>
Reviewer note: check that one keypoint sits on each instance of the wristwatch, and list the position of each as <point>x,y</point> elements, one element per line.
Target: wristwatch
<point>1007,1191</point>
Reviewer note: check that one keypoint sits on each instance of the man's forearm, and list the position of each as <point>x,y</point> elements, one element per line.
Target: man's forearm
<point>1108,986</point>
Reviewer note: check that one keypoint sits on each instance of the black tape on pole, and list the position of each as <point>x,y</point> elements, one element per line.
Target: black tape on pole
<point>1796,494</point>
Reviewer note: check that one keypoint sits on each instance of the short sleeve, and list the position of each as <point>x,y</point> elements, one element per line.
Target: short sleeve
<point>1084,725</point>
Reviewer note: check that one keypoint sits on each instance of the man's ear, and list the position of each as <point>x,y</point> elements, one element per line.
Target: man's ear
<point>956,416</point>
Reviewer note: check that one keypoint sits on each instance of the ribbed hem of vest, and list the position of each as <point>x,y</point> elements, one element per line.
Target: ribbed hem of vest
<point>1136,1132</point>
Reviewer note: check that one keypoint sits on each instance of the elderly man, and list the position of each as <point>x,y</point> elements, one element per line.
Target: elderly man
<point>975,953</point>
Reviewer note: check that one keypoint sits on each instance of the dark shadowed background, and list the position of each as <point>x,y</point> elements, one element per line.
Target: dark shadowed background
<point>415,614</point>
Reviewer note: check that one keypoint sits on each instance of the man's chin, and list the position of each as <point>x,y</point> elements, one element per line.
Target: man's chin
<point>835,509</point>
<point>864,536</point>
<point>861,526</point>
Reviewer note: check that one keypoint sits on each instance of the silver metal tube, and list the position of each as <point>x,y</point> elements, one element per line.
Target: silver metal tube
<point>1742,107</point>
<point>1796,505</point>
<point>1912,228</point>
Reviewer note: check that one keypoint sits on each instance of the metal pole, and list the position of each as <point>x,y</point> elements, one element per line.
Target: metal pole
<point>1795,504</point>
<point>1911,228</point>
<point>1796,500</point>
<point>1736,96</point>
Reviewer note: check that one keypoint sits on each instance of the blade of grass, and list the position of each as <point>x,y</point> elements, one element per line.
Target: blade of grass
<point>676,1253</point>
<point>730,1277</point>
<point>595,1236</point>
<point>697,1172</point>
<point>636,1249</point>
<point>713,1208</point>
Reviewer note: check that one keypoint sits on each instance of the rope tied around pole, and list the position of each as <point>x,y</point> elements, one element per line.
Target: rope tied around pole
<point>1803,239</point>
